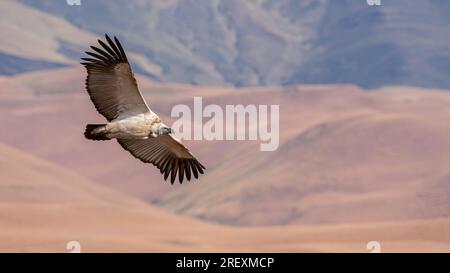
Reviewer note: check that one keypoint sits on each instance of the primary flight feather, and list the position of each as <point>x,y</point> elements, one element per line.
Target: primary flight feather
<point>115,94</point>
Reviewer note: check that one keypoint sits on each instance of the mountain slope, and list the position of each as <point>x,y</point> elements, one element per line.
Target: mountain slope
<point>248,43</point>
<point>29,180</point>
<point>44,206</point>
<point>38,40</point>
<point>382,154</point>
<point>36,35</point>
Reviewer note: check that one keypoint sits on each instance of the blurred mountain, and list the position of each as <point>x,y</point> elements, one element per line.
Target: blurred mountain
<point>26,179</point>
<point>264,42</point>
<point>381,155</point>
<point>43,206</point>
<point>37,40</point>
<point>345,156</point>
<point>34,39</point>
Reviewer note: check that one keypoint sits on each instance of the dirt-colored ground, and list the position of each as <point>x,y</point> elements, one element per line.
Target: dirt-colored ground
<point>44,206</point>
<point>345,155</point>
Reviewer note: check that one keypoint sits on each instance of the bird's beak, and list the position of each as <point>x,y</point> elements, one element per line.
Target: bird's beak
<point>172,131</point>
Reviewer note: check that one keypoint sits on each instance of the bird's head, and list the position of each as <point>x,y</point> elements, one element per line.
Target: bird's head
<point>164,130</point>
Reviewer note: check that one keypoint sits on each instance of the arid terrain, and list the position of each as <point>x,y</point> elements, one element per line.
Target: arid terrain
<point>352,167</point>
<point>383,155</point>
<point>364,151</point>
<point>44,206</point>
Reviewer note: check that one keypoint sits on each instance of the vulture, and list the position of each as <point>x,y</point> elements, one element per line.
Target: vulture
<point>114,92</point>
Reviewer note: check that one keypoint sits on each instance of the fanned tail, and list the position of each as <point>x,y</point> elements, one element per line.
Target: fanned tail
<point>96,132</point>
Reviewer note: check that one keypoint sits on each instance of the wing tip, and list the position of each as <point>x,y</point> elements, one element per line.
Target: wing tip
<point>189,169</point>
<point>112,53</point>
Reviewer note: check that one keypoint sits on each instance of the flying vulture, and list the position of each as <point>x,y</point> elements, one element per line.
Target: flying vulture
<point>113,90</point>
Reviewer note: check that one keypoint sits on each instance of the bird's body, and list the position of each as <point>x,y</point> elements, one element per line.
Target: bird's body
<point>134,126</point>
<point>114,92</point>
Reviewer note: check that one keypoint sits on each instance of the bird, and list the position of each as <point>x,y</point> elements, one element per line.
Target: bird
<point>113,90</point>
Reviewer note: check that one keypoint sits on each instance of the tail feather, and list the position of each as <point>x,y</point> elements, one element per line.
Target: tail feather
<point>96,132</point>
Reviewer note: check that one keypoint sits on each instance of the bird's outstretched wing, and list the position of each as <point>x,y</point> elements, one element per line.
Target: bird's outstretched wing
<point>167,154</point>
<point>110,81</point>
